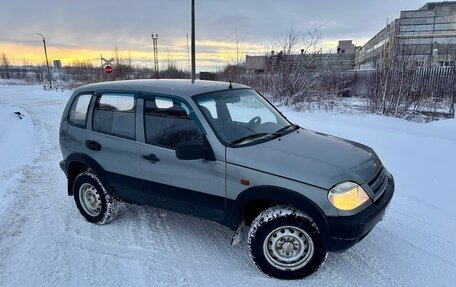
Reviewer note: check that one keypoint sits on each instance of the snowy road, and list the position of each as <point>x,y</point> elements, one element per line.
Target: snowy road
<point>45,242</point>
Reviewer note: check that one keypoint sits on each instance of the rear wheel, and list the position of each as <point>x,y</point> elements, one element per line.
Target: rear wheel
<point>285,243</point>
<point>93,201</point>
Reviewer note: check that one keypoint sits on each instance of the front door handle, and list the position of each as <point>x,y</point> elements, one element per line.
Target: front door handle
<point>93,145</point>
<point>150,157</point>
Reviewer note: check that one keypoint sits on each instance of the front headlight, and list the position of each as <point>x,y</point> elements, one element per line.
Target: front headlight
<point>347,196</point>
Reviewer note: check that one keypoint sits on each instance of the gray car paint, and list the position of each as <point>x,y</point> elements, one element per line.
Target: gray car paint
<point>258,178</point>
<point>118,155</point>
<point>309,157</point>
<point>205,176</point>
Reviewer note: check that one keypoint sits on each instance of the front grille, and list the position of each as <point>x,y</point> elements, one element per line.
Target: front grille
<point>379,181</point>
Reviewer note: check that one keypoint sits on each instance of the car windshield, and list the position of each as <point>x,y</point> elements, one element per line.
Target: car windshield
<point>242,116</point>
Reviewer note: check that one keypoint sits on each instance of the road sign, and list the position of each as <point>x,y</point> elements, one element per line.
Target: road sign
<point>106,61</point>
<point>108,69</point>
<point>106,65</point>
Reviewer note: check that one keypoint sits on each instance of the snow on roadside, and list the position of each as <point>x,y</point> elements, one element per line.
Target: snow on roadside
<point>17,147</point>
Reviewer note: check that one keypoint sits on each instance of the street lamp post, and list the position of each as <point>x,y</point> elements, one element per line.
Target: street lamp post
<point>47,62</point>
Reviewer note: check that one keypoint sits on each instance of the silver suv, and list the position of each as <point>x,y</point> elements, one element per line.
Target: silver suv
<point>224,153</point>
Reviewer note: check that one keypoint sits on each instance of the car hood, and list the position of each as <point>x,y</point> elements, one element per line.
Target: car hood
<point>310,157</point>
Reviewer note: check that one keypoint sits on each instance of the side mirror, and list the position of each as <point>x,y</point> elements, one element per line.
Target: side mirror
<point>190,151</point>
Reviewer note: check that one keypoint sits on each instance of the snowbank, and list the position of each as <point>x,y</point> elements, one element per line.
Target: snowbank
<point>17,144</point>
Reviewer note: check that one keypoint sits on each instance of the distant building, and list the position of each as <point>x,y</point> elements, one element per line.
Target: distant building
<point>207,76</point>
<point>427,34</point>
<point>343,60</point>
<point>346,47</point>
<point>256,64</point>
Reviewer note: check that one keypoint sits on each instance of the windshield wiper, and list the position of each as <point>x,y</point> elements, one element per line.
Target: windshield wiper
<point>284,129</point>
<point>277,133</point>
<point>249,137</point>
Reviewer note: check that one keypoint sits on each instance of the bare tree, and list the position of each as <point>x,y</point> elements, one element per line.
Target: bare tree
<point>452,102</point>
<point>294,69</point>
<point>39,73</point>
<point>294,75</point>
<point>80,72</point>
<point>393,89</point>
<point>172,71</point>
<point>123,68</point>
<point>5,66</point>
<point>235,71</point>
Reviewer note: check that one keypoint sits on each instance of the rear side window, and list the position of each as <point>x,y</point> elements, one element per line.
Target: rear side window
<point>78,111</point>
<point>114,114</point>
<point>167,123</point>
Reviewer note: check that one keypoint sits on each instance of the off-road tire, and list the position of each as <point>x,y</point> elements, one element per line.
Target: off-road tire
<point>111,206</point>
<point>272,219</point>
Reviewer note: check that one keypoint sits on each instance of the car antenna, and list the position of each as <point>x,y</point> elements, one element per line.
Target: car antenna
<point>231,85</point>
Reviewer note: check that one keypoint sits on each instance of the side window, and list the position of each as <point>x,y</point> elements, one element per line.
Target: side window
<point>114,114</point>
<point>78,111</point>
<point>167,123</point>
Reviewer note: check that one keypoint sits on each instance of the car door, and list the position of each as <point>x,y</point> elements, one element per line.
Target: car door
<point>195,187</point>
<point>111,142</point>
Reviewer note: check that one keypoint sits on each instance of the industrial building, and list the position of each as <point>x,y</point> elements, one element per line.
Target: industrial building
<point>427,35</point>
<point>343,60</point>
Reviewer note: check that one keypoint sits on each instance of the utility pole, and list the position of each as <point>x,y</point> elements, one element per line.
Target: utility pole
<point>47,62</point>
<point>155,44</point>
<point>193,43</point>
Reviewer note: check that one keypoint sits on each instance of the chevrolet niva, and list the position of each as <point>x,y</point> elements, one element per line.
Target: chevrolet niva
<point>222,152</point>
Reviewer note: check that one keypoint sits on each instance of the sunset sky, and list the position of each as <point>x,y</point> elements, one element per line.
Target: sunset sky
<point>83,29</point>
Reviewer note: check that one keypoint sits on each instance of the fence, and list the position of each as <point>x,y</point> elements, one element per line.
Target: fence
<point>437,82</point>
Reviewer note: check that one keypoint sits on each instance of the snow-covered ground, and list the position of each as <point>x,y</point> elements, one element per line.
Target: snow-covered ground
<point>17,144</point>
<point>45,242</point>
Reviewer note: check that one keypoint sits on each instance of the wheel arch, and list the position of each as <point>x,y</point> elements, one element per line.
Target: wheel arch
<point>76,163</point>
<point>262,197</point>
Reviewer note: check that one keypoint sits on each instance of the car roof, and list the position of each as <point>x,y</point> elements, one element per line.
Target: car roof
<point>182,88</point>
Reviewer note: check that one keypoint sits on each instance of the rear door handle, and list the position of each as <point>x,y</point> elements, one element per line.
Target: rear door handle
<point>93,145</point>
<point>150,157</point>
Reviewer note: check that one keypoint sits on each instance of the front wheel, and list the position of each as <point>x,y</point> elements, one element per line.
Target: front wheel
<point>285,243</point>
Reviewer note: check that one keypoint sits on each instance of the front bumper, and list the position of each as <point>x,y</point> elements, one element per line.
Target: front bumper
<point>346,231</point>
